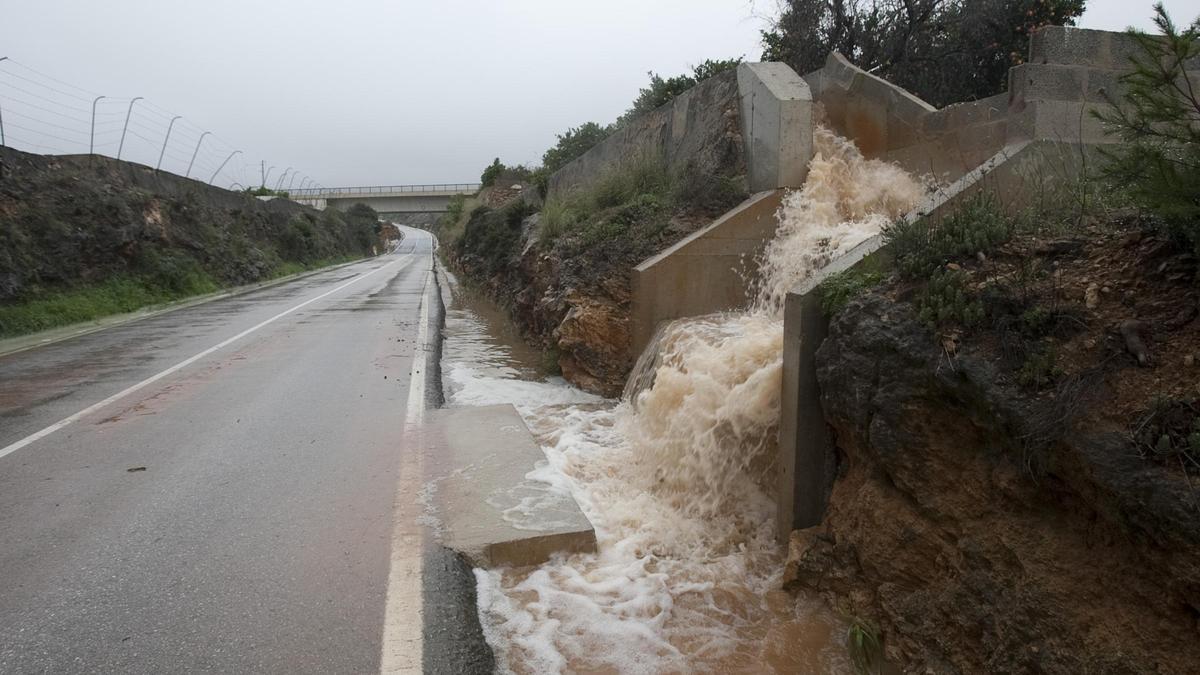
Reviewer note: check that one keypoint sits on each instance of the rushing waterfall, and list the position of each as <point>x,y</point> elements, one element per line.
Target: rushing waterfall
<point>677,478</point>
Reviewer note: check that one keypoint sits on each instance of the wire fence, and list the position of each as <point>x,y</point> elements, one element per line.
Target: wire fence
<point>45,115</point>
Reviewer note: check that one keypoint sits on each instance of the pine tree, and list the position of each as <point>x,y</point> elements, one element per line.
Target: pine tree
<point>1158,119</point>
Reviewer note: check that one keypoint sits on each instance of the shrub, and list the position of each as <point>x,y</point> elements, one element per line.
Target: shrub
<point>1169,433</point>
<point>709,192</point>
<point>573,143</point>
<point>1040,368</point>
<point>174,272</point>
<point>493,235</point>
<point>661,91</point>
<point>492,172</point>
<point>297,241</point>
<point>361,227</point>
<point>1158,118</point>
<point>921,247</point>
<point>619,187</point>
<point>263,191</point>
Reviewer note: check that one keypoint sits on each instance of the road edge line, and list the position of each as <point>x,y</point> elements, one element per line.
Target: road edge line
<point>402,647</point>
<point>38,435</point>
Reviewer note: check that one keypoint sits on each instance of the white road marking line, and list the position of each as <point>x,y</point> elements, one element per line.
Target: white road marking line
<point>402,645</point>
<point>7,450</point>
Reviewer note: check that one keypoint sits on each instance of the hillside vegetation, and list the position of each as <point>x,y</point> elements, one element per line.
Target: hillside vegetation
<point>84,237</point>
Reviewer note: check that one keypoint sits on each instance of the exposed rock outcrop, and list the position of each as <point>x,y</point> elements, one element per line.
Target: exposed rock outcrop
<point>980,529</point>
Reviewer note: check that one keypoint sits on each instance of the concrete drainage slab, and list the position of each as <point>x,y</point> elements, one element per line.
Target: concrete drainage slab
<point>488,510</point>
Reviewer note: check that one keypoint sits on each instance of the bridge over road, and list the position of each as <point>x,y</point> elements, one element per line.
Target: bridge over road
<point>410,204</point>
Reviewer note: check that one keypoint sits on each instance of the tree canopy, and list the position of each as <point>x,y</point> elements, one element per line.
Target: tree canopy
<point>944,51</point>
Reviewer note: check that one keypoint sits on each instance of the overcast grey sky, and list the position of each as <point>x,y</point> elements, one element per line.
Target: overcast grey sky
<point>362,91</point>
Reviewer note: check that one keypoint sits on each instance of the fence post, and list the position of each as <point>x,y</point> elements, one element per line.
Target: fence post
<point>165,141</point>
<point>214,176</point>
<point>92,138</point>
<point>125,128</point>
<point>189,170</point>
<point>2,58</point>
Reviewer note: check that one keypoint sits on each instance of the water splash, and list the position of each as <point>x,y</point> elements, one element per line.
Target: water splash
<point>678,478</point>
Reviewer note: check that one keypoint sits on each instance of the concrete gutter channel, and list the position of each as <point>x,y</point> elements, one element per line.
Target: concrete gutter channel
<point>477,460</point>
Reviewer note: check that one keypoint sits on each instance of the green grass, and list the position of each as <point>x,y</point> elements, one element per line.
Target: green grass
<point>52,309</point>
<point>865,647</point>
<point>646,181</point>
<point>46,309</point>
<point>290,267</point>
<point>839,289</point>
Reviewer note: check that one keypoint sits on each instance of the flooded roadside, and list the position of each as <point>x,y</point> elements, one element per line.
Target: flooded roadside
<point>675,586</point>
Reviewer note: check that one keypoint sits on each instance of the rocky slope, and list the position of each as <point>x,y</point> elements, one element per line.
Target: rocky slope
<point>73,220</point>
<point>979,526</point>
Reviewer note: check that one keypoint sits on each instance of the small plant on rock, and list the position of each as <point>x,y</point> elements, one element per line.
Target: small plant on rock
<point>1040,369</point>
<point>865,647</point>
<point>946,299</point>
<point>1169,433</point>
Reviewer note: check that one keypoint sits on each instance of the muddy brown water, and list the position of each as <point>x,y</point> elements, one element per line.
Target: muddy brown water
<point>661,594</point>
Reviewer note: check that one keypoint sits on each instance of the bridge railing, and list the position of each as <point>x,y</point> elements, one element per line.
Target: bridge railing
<point>325,192</point>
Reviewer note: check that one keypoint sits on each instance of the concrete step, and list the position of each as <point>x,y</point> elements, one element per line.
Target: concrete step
<point>488,510</point>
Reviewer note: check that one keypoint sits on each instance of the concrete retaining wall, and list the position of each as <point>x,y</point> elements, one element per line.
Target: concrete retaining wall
<point>699,128</point>
<point>713,269</point>
<point>777,120</point>
<point>709,271</point>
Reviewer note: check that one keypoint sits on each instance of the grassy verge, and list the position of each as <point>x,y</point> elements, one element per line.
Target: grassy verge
<point>636,199</point>
<point>46,309</point>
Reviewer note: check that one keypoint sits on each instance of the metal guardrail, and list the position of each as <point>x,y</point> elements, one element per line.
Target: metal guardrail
<point>446,188</point>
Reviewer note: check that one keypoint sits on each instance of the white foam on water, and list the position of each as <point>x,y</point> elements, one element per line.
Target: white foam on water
<point>678,479</point>
<point>429,514</point>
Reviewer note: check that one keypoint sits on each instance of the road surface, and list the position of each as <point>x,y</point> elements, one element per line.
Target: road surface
<point>227,487</point>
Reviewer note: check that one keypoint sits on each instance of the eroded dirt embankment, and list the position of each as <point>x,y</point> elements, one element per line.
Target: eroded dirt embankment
<point>571,295</point>
<point>983,526</point>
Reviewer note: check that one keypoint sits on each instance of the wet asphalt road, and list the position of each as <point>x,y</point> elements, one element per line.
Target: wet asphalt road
<point>235,515</point>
